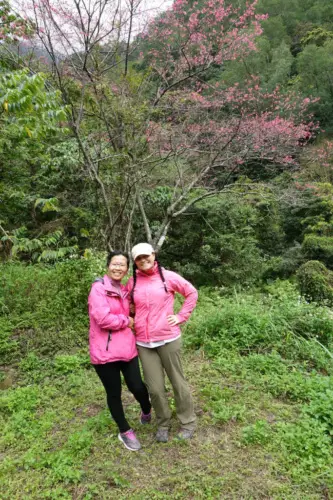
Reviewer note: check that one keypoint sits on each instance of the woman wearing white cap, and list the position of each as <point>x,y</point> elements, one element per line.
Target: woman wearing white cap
<point>158,336</point>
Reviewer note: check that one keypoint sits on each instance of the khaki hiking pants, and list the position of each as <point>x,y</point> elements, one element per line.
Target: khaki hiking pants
<point>154,362</point>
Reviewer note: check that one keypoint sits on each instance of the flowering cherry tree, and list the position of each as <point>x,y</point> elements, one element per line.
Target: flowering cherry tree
<point>216,131</point>
<point>12,26</point>
<point>170,123</point>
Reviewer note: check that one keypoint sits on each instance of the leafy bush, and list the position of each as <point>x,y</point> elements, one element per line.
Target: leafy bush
<point>316,282</point>
<point>47,305</point>
<point>319,248</point>
<point>265,363</point>
<point>218,244</point>
<point>284,265</point>
<point>278,320</point>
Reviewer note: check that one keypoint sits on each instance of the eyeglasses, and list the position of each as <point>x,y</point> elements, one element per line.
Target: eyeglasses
<point>120,266</point>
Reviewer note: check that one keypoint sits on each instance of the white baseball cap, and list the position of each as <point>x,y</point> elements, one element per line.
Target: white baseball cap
<point>142,249</point>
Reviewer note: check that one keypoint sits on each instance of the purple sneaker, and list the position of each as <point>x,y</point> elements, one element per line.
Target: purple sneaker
<point>145,419</point>
<point>130,440</point>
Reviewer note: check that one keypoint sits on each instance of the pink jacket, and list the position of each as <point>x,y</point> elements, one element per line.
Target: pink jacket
<point>110,338</point>
<point>153,304</point>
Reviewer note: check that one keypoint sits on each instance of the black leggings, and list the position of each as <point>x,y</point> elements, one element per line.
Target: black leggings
<point>109,373</point>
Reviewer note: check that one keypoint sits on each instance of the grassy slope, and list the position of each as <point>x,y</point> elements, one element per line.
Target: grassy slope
<point>59,441</point>
<point>264,399</point>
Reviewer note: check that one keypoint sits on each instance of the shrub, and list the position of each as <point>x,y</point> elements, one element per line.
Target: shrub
<point>284,265</point>
<point>278,320</point>
<point>219,243</point>
<point>47,305</point>
<point>316,282</point>
<point>319,248</point>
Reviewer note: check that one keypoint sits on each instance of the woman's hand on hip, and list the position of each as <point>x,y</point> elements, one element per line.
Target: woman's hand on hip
<point>131,322</point>
<point>173,320</point>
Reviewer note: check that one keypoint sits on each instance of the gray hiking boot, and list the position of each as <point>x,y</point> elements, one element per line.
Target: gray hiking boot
<point>130,440</point>
<point>185,434</point>
<point>162,435</point>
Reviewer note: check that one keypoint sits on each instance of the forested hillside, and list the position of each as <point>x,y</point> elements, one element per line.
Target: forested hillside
<point>206,130</point>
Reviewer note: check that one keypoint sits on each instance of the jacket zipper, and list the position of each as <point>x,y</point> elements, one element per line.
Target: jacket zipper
<point>109,339</point>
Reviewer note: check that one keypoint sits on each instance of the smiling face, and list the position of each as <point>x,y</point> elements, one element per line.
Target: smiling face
<point>118,267</point>
<point>145,262</point>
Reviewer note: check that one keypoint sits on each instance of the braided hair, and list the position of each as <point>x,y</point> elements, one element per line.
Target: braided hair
<point>160,272</point>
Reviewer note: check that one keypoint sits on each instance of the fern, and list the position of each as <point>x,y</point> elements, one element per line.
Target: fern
<point>49,248</point>
<point>59,254</point>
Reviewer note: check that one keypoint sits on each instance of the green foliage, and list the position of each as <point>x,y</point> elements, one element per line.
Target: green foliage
<point>317,36</point>
<point>306,447</point>
<point>8,346</point>
<point>220,243</point>
<point>44,298</point>
<point>30,119</point>
<point>284,265</point>
<point>316,282</point>
<point>48,204</point>
<point>320,408</point>
<point>314,65</point>
<point>278,320</point>
<point>257,433</point>
<point>48,248</point>
<point>319,248</point>
<point>28,108</point>
<point>67,363</point>
<point>22,399</point>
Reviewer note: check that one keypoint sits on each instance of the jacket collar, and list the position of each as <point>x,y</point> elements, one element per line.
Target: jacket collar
<point>151,272</point>
<point>112,289</point>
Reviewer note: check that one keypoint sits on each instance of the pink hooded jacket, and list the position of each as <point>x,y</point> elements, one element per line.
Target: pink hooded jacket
<point>110,338</point>
<point>153,304</point>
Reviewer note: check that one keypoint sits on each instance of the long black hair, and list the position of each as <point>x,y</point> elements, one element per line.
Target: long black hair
<point>114,253</point>
<point>160,272</point>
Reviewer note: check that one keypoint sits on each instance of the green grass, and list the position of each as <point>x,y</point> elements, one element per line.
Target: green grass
<point>260,367</point>
<point>59,441</point>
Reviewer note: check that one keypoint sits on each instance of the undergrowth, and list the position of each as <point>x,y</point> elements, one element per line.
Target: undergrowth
<point>260,365</point>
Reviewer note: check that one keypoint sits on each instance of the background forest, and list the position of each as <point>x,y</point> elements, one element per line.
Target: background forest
<point>205,129</point>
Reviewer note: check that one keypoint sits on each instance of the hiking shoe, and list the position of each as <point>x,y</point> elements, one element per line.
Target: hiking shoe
<point>145,419</point>
<point>185,434</point>
<point>162,435</point>
<point>129,440</point>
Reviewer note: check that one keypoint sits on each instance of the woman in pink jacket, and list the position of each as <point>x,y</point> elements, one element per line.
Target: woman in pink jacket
<point>158,336</point>
<point>112,345</point>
